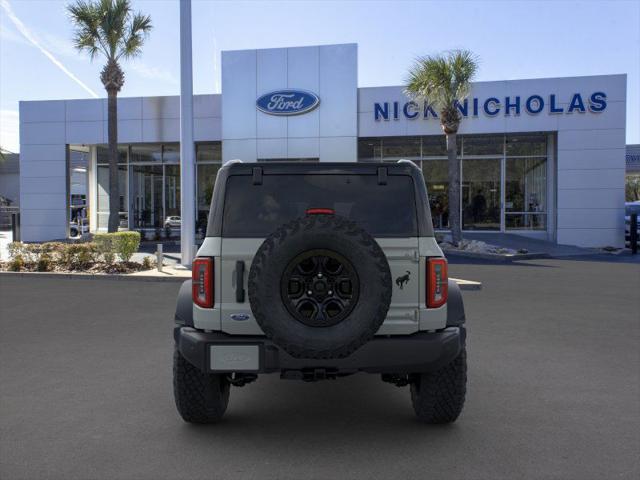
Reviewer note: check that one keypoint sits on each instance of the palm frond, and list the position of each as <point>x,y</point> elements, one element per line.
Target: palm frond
<point>442,80</point>
<point>113,23</point>
<point>108,27</point>
<point>86,18</point>
<point>139,29</point>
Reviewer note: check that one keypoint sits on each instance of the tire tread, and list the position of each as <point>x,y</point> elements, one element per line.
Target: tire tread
<point>438,397</point>
<point>199,397</point>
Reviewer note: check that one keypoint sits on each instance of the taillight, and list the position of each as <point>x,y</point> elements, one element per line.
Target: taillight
<point>320,211</point>
<point>437,282</point>
<point>202,282</point>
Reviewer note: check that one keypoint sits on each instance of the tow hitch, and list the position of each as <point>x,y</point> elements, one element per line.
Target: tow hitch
<point>310,375</point>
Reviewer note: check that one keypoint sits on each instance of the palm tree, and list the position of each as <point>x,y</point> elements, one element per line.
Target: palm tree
<point>110,28</point>
<point>443,81</point>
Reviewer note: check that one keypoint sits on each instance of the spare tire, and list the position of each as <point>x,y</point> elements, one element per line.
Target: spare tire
<point>320,287</point>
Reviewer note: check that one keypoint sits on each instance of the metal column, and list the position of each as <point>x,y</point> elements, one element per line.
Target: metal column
<point>187,147</point>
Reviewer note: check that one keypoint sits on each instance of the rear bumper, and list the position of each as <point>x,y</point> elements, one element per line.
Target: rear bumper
<point>420,352</point>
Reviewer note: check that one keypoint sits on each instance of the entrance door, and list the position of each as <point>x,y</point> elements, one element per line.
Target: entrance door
<point>526,193</point>
<point>481,194</point>
<point>146,195</point>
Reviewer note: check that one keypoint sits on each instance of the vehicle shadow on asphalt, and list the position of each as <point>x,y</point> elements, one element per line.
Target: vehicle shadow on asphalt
<point>291,414</point>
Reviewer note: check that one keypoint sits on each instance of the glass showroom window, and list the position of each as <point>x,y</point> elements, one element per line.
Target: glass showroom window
<point>482,145</point>
<point>155,186</point>
<point>436,146</point>
<point>531,145</point>
<point>208,162</point>
<point>481,182</point>
<point>146,194</point>
<point>172,191</point>
<point>503,177</point>
<point>102,174</point>
<point>435,169</point>
<point>146,153</point>
<point>78,164</point>
<point>145,178</point>
<point>171,201</point>
<point>396,148</point>
<point>481,194</point>
<point>435,174</point>
<point>526,182</point>
<point>369,149</point>
<point>429,153</point>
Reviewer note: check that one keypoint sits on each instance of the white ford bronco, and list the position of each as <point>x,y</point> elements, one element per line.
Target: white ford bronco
<point>318,271</point>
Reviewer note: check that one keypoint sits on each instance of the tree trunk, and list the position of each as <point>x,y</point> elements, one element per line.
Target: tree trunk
<point>114,191</point>
<point>454,189</point>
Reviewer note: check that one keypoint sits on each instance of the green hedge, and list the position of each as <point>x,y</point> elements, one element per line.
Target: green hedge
<point>105,245</point>
<point>124,244</point>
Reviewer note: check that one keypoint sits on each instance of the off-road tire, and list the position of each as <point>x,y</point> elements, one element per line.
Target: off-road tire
<point>438,397</point>
<point>200,397</point>
<point>328,232</point>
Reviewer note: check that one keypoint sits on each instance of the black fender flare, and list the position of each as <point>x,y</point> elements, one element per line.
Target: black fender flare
<point>455,306</point>
<point>184,306</point>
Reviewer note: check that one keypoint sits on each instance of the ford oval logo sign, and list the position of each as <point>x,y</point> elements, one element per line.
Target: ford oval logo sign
<point>287,102</point>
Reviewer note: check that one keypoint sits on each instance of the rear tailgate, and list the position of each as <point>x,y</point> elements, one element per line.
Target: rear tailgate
<point>254,209</point>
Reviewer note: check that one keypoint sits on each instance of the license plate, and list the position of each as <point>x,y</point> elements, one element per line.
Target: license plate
<point>234,358</point>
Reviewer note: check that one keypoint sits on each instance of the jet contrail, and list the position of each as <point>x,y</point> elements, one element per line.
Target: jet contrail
<point>24,30</point>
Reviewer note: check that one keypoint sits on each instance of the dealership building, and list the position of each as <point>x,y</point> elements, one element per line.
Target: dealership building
<point>543,158</point>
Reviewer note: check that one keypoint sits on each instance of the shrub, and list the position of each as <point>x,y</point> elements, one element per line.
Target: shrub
<point>77,256</point>
<point>64,254</point>
<point>17,263</point>
<point>105,246</point>
<point>51,247</point>
<point>44,263</point>
<point>32,252</point>
<point>16,249</point>
<point>126,244</point>
<point>82,255</point>
<point>147,263</point>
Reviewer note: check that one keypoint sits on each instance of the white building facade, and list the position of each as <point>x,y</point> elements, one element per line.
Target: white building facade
<point>541,157</point>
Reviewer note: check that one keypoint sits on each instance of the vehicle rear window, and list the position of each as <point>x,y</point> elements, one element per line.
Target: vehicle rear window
<point>257,210</point>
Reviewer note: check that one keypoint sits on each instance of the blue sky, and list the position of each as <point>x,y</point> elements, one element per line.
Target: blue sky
<point>513,40</point>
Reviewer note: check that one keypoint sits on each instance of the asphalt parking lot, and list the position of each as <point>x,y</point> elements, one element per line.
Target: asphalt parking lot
<point>554,389</point>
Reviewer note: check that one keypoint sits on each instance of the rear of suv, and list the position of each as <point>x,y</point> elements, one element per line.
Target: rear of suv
<point>318,271</point>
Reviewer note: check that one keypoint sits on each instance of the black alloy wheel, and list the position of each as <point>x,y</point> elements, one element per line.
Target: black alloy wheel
<point>320,288</point>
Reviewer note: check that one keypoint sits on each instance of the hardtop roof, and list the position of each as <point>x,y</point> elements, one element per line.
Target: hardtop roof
<point>334,168</point>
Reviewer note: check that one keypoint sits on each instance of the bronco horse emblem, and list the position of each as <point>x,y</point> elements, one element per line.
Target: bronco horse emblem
<point>401,281</point>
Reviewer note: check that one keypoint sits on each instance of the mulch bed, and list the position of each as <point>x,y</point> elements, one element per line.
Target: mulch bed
<point>98,267</point>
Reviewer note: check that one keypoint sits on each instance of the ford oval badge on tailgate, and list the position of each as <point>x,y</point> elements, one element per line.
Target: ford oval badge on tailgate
<point>240,317</point>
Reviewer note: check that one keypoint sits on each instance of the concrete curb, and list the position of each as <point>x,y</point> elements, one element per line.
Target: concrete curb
<point>161,277</point>
<point>496,257</point>
<point>466,285</point>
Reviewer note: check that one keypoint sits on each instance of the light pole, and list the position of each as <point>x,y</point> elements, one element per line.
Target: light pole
<point>187,147</point>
